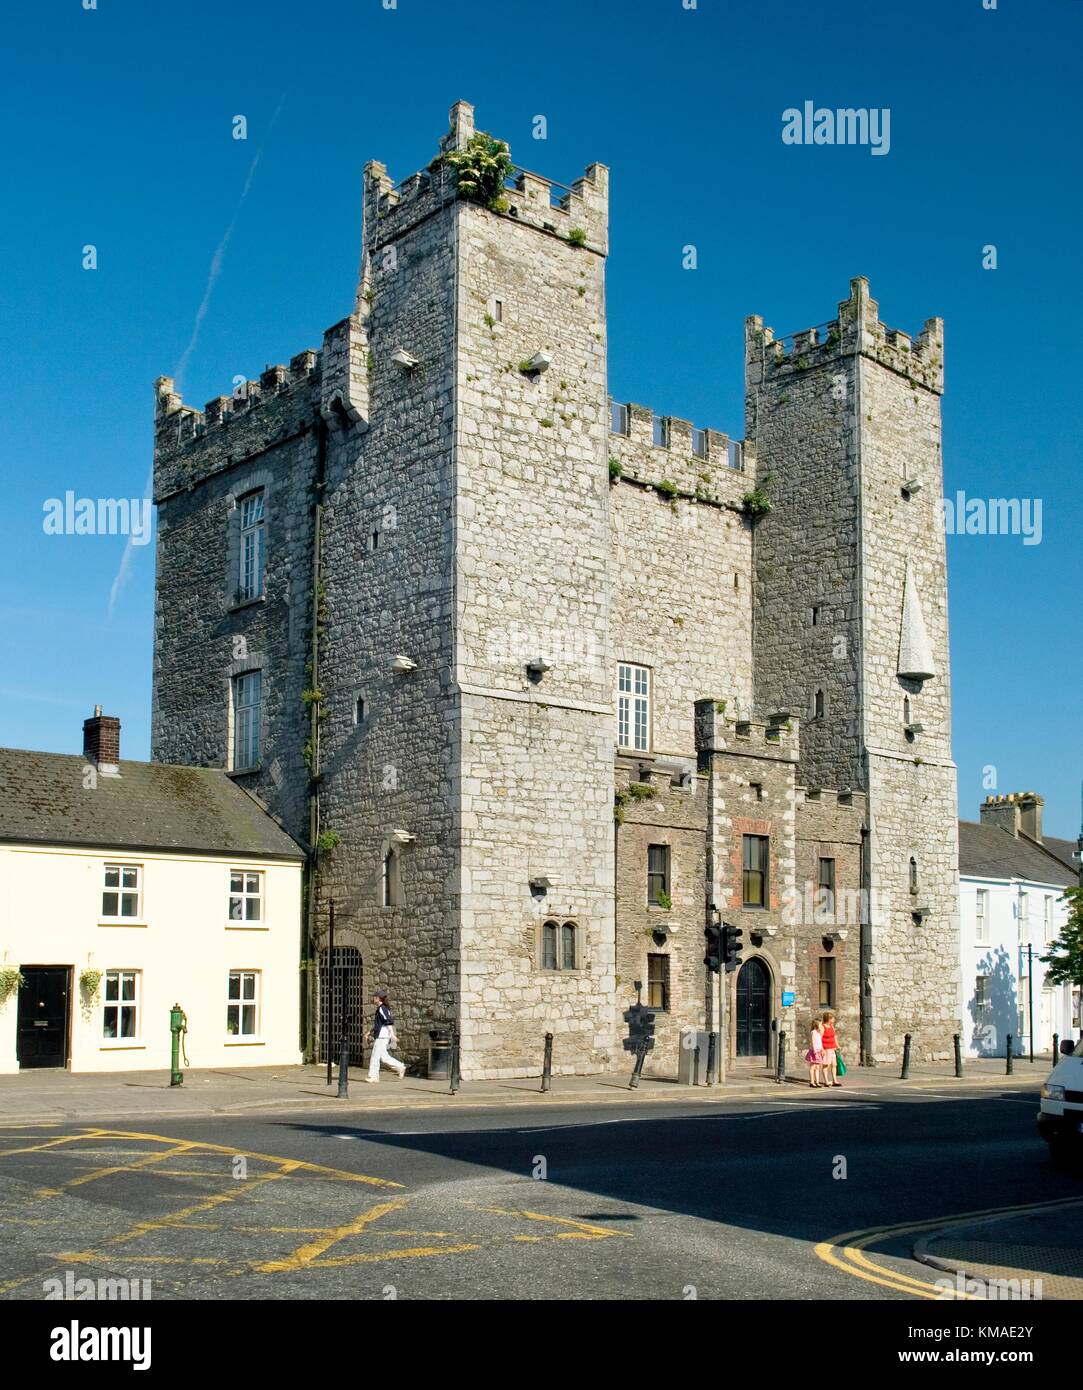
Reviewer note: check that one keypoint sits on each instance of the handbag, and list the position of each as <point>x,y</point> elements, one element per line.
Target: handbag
<point>840,1064</point>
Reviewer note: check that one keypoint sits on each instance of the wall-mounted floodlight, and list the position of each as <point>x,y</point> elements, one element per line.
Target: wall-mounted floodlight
<point>402,358</point>
<point>402,837</point>
<point>537,666</point>
<point>403,663</point>
<point>915,728</point>
<point>538,363</point>
<point>912,485</point>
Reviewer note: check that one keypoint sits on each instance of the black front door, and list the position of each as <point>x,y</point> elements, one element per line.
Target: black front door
<point>753,1009</point>
<point>43,1016</point>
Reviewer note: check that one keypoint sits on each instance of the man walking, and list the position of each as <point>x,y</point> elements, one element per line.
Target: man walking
<point>383,1037</point>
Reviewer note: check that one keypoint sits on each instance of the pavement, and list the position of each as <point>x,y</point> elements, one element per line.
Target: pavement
<point>1029,1255</point>
<point>58,1096</point>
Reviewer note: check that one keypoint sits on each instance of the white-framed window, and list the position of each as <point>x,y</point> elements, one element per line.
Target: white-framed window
<point>247,707</point>
<point>242,1004</point>
<point>245,895</point>
<point>1047,924</point>
<point>981,916</point>
<point>120,1006</point>
<point>982,1001</point>
<point>252,546</point>
<point>633,706</point>
<point>121,892</point>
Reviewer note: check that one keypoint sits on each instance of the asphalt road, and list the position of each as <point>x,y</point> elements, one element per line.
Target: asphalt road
<point>743,1199</point>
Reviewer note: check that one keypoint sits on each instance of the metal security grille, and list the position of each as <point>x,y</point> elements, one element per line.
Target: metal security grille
<point>347,986</point>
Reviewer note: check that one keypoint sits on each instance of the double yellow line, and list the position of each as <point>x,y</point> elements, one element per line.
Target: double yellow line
<point>847,1251</point>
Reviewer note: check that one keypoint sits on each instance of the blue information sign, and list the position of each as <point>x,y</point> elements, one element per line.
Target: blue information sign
<point>788,997</point>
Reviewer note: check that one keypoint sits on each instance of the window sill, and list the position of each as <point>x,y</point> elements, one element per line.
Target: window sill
<point>235,604</point>
<point>561,974</point>
<point>121,922</point>
<point>124,1045</point>
<point>244,771</point>
<point>247,926</point>
<point>244,1042</point>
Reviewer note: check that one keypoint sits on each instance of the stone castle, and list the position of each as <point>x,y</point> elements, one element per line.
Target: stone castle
<point>548,683</point>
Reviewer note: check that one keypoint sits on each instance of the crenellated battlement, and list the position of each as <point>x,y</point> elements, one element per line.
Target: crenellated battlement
<point>666,452</point>
<point>720,731</point>
<point>392,208</point>
<point>856,330</point>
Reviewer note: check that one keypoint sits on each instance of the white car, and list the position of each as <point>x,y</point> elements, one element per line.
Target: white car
<point>1060,1115</point>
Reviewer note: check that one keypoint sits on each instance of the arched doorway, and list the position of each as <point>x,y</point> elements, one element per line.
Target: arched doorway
<point>753,1012</point>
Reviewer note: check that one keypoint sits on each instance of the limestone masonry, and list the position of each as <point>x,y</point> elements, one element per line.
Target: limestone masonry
<point>537,679</point>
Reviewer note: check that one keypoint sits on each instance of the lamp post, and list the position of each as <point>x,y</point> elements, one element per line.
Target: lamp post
<point>329,1002</point>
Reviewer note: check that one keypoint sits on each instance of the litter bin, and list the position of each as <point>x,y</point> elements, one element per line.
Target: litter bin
<point>439,1052</point>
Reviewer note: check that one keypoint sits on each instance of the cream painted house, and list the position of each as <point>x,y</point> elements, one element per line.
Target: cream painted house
<point>128,887</point>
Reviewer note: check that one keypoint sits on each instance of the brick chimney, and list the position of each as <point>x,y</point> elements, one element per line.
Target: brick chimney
<point>1017,813</point>
<point>101,739</point>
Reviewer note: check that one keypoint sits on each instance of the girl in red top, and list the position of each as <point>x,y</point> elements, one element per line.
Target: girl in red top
<point>831,1043</point>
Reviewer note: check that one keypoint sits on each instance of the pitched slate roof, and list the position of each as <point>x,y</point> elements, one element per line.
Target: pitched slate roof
<point>987,851</point>
<point>1063,849</point>
<point>153,806</point>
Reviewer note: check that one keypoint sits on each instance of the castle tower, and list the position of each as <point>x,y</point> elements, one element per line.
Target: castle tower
<point>851,630</point>
<point>431,639</point>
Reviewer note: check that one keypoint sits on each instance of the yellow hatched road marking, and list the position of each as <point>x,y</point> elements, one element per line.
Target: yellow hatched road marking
<point>306,1254</point>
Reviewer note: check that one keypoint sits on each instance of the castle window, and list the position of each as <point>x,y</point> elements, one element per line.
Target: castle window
<point>913,874</point>
<point>657,874</point>
<point>390,881</point>
<point>633,707</point>
<point>558,946</point>
<point>498,310</point>
<point>815,617</point>
<point>818,705</point>
<point>826,885</point>
<point>359,710</point>
<point>250,580</point>
<point>375,540</point>
<point>699,443</point>
<point>247,707</point>
<point>660,431</point>
<point>827,982</point>
<point>757,790</point>
<point>754,859</point>
<point>906,709</point>
<point>618,419</point>
<point>658,982</point>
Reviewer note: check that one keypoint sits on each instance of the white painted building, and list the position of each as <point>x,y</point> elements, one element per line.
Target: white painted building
<point>126,888</point>
<point>1011,887</point>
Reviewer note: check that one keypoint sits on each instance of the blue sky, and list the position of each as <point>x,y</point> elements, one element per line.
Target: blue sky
<point>118,129</point>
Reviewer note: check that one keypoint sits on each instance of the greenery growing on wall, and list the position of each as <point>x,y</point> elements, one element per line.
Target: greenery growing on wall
<point>481,168</point>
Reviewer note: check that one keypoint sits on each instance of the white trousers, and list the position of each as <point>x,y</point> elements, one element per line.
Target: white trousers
<point>380,1055</point>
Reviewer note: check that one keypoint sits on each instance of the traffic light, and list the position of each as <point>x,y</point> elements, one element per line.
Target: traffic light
<point>713,958</point>
<point>731,947</point>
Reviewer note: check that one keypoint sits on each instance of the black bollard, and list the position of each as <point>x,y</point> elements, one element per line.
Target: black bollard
<point>712,1058</point>
<point>905,1073</point>
<point>547,1064</point>
<point>1056,1048</point>
<point>453,1068</point>
<point>1009,1068</point>
<point>780,1071</point>
<point>958,1054</point>
<point>344,1062</point>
